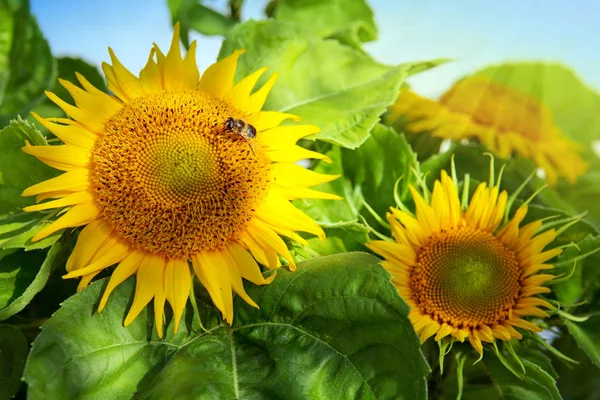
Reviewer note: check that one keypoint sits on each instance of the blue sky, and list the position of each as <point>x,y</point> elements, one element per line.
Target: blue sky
<point>473,33</point>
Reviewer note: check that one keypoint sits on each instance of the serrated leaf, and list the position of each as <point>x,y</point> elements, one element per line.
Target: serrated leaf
<point>24,274</point>
<point>338,88</point>
<point>350,20</point>
<point>537,383</point>
<point>587,336</point>
<point>13,353</point>
<point>31,68</point>
<point>17,172</point>
<point>336,328</point>
<point>377,164</point>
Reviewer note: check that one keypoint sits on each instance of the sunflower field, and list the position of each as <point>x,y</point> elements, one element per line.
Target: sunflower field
<point>296,220</point>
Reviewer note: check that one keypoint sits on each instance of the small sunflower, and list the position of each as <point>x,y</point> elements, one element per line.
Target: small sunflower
<point>464,273</point>
<point>176,169</point>
<point>504,119</point>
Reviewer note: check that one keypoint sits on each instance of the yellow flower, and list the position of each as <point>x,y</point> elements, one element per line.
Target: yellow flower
<point>167,172</point>
<point>461,272</point>
<point>505,120</point>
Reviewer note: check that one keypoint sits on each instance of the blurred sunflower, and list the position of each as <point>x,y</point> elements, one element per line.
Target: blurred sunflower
<point>504,119</point>
<point>464,273</point>
<point>176,169</point>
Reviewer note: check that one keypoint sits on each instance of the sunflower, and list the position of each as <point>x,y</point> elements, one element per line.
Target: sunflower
<point>504,119</point>
<point>462,271</point>
<point>176,169</point>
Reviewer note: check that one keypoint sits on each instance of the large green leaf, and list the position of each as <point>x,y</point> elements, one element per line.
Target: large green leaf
<point>13,352</point>
<point>351,20</point>
<point>17,172</point>
<point>338,88</point>
<point>24,274</point>
<point>336,328</point>
<point>580,381</point>
<point>30,68</point>
<point>377,164</point>
<point>587,336</point>
<point>536,384</point>
<point>194,16</point>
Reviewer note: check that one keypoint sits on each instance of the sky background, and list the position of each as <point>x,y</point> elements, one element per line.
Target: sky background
<point>473,33</point>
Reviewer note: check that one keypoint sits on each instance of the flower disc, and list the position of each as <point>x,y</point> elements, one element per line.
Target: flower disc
<point>466,278</point>
<point>171,180</point>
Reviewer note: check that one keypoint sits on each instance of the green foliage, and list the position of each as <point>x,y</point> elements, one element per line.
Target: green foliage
<point>192,15</point>
<point>27,67</point>
<point>17,172</point>
<point>13,352</point>
<point>587,336</point>
<point>22,277</point>
<point>350,21</point>
<point>318,79</point>
<point>316,335</point>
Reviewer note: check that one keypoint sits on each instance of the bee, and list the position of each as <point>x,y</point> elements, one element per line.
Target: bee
<point>241,128</point>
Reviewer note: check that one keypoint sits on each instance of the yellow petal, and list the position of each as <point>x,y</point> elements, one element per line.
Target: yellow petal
<point>246,265</point>
<point>264,255</point>
<point>270,119</point>
<point>81,214</point>
<point>126,83</point>
<point>218,78</point>
<point>69,200</point>
<point>159,309</point>
<point>71,134</point>
<point>124,270</point>
<point>258,99</point>
<point>264,237</point>
<point>178,282</point>
<point>180,74</point>
<point>217,281</point>
<point>71,181</point>
<point>149,281</point>
<point>90,239</point>
<point>64,158</point>
<point>293,175</point>
<point>240,93</point>
<point>110,252</point>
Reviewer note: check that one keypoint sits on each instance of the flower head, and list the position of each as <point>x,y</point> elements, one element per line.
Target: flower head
<point>462,271</point>
<point>504,119</point>
<point>176,169</point>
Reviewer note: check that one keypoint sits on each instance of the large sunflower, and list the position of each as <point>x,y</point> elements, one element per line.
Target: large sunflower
<point>461,272</point>
<point>176,169</point>
<point>504,119</point>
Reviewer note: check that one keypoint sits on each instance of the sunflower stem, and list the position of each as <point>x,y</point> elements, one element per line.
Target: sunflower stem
<point>195,307</point>
<point>500,174</point>
<point>397,199</point>
<point>373,231</point>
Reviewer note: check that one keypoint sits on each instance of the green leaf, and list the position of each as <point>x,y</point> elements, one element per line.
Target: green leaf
<point>584,283</point>
<point>24,274</point>
<point>341,238</point>
<point>30,69</point>
<point>17,172</point>
<point>537,383</point>
<point>338,88</point>
<point>350,20</point>
<point>375,167</point>
<point>576,381</point>
<point>335,328</point>
<point>13,353</point>
<point>193,15</point>
<point>587,336</point>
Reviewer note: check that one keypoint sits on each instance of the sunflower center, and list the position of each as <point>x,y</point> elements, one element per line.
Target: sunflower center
<point>466,278</point>
<point>499,106</point>
<point>172,180</point>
